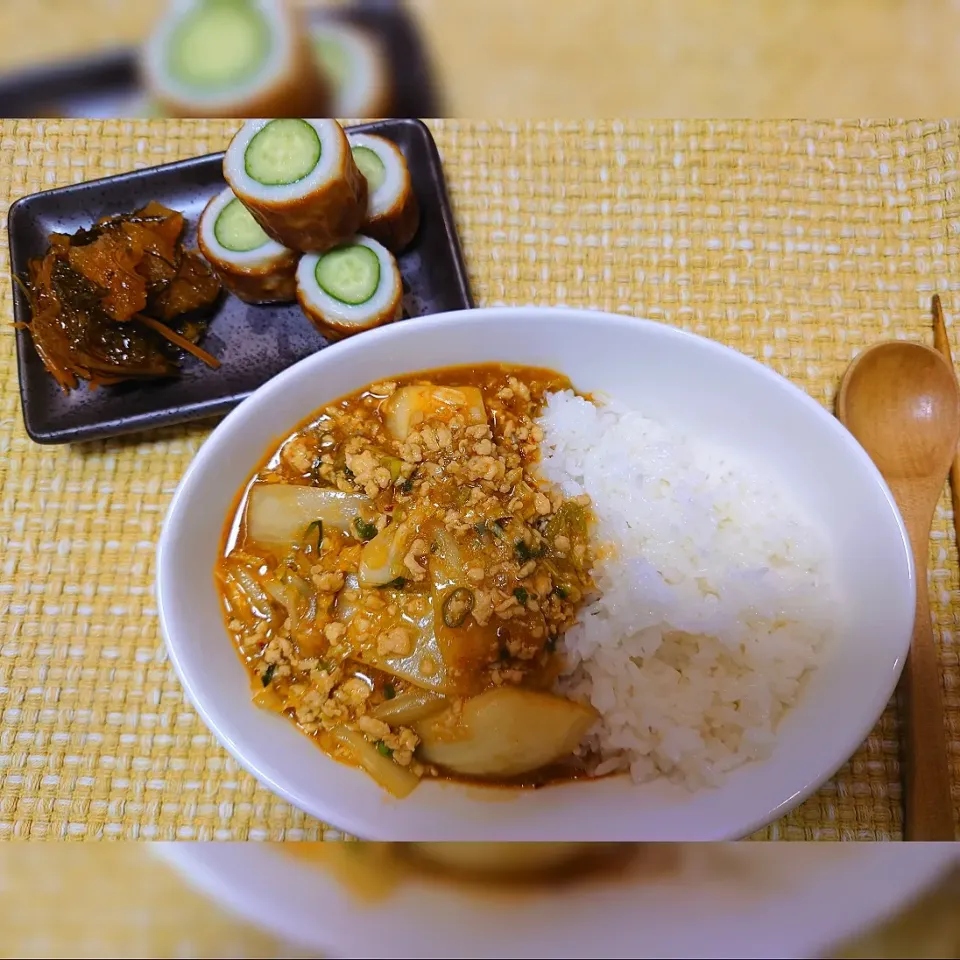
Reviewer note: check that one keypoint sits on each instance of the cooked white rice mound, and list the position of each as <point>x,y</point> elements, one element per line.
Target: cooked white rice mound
<point>719,598</point>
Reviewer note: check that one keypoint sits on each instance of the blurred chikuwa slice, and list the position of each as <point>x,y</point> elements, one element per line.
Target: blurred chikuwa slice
<point>233,58</point>
<point>356,69</point>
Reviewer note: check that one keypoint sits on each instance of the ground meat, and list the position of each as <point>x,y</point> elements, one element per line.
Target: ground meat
<point>376,729</point>
<point>396,643</point>
<point>300,455</point>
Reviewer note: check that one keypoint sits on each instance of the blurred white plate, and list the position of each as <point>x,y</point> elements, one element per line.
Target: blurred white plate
<point>745,900</point>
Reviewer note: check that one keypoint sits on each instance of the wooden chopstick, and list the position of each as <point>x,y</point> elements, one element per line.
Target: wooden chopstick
<point>942,344</point>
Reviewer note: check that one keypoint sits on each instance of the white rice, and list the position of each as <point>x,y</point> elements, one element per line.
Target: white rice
<point>717,602</point>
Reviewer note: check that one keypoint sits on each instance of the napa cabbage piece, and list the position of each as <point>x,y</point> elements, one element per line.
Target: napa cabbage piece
<point>408,708</point>
<point>289,598</point>
<point>396,780</point>
<point>465,645</point>
<point>424,666</point>
<point>381,560</point>
<point>245,590</point>
<point>409,406</point>
<point>278,514</point>
<point>505,732</point>
<point>267,698</point>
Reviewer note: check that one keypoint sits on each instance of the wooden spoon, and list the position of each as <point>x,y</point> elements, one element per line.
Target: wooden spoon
<point>901,401</point>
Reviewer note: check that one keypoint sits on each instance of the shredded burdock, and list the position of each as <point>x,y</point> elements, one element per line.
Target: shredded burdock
<point>119,301</point>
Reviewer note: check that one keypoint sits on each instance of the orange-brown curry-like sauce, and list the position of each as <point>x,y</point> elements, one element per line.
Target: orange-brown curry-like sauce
<point>449,571</point>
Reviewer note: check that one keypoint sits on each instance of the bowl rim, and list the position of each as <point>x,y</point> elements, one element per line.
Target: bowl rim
<point>343,818</point>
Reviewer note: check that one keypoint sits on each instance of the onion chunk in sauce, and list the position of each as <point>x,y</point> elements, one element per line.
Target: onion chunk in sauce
<point>396,576</point>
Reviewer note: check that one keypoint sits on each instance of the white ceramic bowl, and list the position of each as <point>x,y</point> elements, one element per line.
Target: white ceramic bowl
<point>748,901</point>
<point>669,375</point>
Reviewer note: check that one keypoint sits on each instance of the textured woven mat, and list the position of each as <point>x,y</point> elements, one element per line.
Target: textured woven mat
<point>796,243</point>
<point>116,900</point>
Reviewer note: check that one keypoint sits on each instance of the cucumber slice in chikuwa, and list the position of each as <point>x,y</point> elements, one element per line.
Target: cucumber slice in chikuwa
<point>371,166</point>
<point>283,151</point>
<point>219,44</point>
<point>333,58</point>
<point>349,274</point>
<point>237,230</point>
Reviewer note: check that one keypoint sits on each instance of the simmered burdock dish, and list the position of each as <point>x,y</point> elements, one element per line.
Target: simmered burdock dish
<point>396,577</point>
<point>122,300</point>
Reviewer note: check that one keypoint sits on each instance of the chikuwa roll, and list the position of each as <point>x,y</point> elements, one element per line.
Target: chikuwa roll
<point>393,213</point>
<point>300,181</point>
<point>356,69</point>
<point>249,264</point>
<point>234,58</point>
<point>349,289</point>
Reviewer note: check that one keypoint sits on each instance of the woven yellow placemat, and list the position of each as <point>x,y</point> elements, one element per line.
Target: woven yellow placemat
<point>797,243</point>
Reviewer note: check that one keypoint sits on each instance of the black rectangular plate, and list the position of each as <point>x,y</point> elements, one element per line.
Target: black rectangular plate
<point>107,86</point>
<point>254,343</point>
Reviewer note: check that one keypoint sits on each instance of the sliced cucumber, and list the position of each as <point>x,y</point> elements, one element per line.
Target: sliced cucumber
<point>333,59</point>
<point>349,274</point>
<point>371,166</point>
<point>237,230</point>
<point>219,44</point>
<point>284,151</point>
